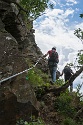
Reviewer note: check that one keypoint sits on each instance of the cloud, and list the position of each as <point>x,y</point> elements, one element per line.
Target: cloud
<point>54,20</point>
<point>68,12</point>
<point>79,25</point>
<point>55,29</point>
<point>72,1</point>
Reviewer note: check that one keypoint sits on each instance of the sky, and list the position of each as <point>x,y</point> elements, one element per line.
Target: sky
<point>56,28</point>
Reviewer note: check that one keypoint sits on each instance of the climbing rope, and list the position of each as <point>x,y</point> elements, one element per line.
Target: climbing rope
<point>3,80</point>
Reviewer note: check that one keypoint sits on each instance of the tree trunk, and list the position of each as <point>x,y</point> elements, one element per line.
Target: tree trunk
<point>57,91</point>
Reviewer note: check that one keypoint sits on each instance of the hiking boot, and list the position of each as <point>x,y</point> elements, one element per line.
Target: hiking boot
<point>52,83</point>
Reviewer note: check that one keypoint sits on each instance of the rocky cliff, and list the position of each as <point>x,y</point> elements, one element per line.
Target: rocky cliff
<point>18,51</point>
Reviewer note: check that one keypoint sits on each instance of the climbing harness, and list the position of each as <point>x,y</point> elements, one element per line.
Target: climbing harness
<point>3,80</point>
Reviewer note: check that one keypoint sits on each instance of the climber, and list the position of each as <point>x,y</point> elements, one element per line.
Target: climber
<point>67,71</point>
<point>52,63</point>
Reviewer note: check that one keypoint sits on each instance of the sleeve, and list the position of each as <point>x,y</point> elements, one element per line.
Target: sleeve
<point>46,54</point>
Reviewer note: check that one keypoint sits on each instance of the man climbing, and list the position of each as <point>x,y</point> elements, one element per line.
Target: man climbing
<point>52,63</point>
<point>67,71</point>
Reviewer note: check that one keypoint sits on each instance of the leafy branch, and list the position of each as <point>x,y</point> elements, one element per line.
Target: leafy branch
<point>32,8</point>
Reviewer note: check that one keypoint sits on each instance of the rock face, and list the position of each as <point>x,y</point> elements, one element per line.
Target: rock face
<point>19,102</point>
<point>17,50</point>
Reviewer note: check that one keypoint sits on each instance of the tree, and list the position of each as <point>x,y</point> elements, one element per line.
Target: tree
<point>57,91</point>
<point>32,8</point>
<point>79,32</point>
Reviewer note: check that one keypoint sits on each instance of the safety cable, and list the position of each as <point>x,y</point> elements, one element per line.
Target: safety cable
<point>3,80</point>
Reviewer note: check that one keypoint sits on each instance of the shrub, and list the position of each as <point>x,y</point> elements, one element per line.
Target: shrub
<point>39,121</point>
<point>41,89</point>
<point>64,106</point>
<point>34,77</point>
<point>68,121</point>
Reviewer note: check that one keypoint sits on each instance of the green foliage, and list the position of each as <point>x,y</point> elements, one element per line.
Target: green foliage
<point>39,80</point>
<point>68,121</point>
<point>80,57</point>
<point>63,105</point>
<point>37,77</point>
<point>39,121</point>
<point>41,89</point>
<point>79,33</point>
<point>81,15</point>
<point>80,95</point>
<point>34,76</point>
<point>20,122</point>
<point>34,8</point>
<point>59,82</point>
<point>42,104</point>
<point>39,92</point>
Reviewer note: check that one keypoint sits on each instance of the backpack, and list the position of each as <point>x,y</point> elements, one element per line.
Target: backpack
<point>67,71</point>
<point>53,59</point>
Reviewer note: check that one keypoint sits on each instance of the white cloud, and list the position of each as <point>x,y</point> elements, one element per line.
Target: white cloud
<point>72,1</point>
<point>54,20</point>
<point>52,30</point>
<point>79,25</point>
<point>69,12</point>
<point>58,13</point>
<point>54,12</point>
